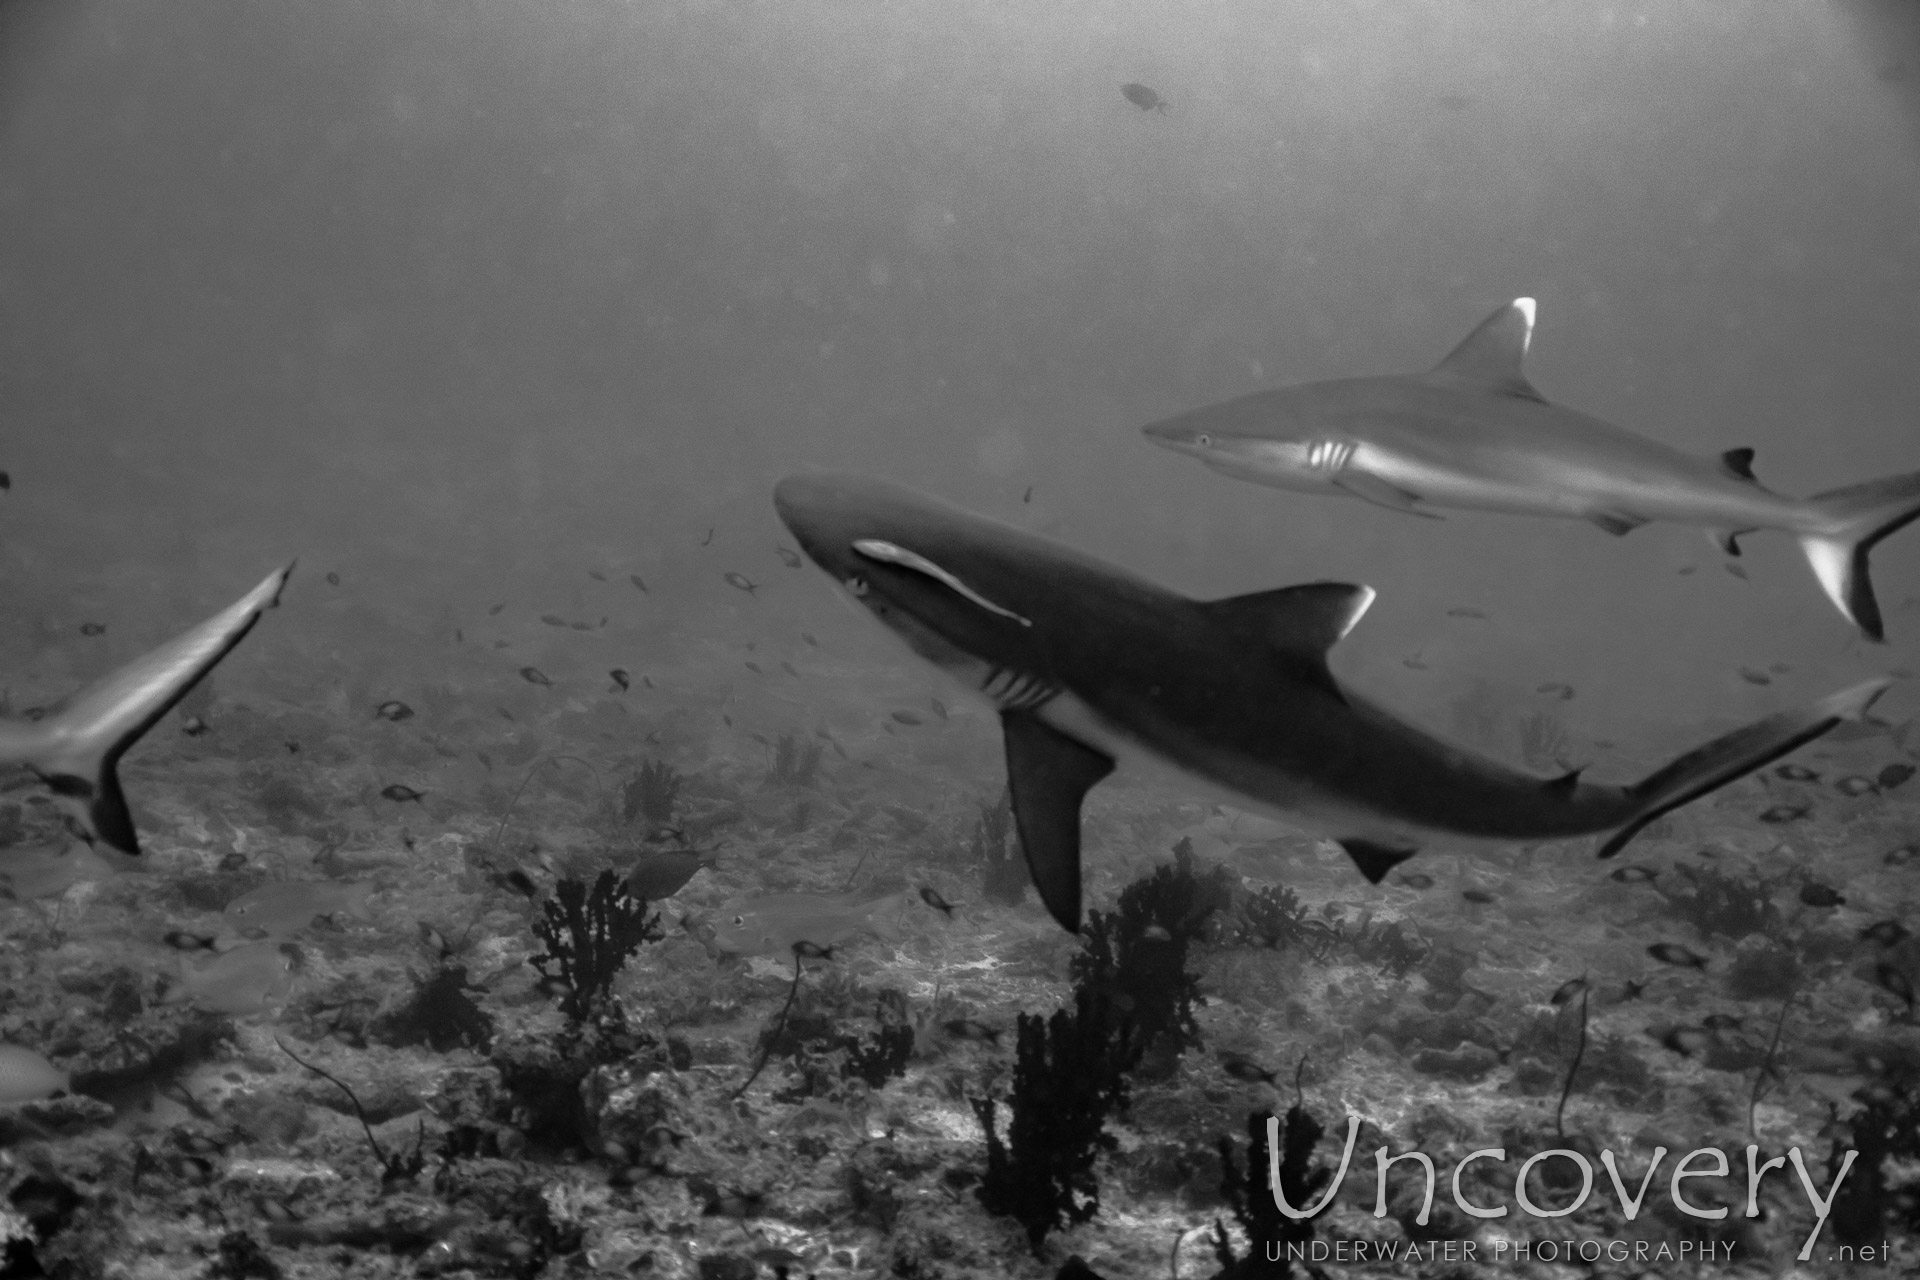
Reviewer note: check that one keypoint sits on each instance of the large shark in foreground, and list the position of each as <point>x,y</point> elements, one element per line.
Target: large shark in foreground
<point>1091,666</point>
<point>1473,433</point>
<point>74,749</point>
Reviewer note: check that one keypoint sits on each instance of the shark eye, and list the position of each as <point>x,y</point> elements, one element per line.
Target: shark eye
<point>857,585</point>
<point>1204,440</point>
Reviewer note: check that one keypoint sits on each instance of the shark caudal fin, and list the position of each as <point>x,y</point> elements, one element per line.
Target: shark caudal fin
<point>75,748</point>
<point>1849,522</point>
<point>1738,753</point>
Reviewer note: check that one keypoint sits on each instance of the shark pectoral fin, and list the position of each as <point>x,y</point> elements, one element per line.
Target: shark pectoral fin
<point>1381,493</point>
<point>1617,523</point>
<point>1375,859</point>
<point>1049,774</point>
<point>1490,358</point>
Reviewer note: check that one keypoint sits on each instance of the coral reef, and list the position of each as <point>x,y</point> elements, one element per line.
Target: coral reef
<point>590,935</point>
<point>651,793</point>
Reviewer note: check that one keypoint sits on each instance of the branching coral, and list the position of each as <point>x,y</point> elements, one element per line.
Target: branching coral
<point>589,937</point>
<point>652,792</point>
<point>1251,1195</point>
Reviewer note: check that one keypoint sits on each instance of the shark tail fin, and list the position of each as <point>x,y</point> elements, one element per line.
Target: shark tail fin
<point>1738,753</point>
<point>76,749</point>
<point>1847,524</point>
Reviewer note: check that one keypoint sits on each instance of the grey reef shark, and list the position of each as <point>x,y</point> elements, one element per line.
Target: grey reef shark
<point>1473,433</point>
<point>74,749</point>
<point>1091,666</point>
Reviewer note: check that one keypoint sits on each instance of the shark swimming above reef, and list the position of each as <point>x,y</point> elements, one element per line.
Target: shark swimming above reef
<point>1473,433</point>
<point>75,747</point>
<point>1091,666</point>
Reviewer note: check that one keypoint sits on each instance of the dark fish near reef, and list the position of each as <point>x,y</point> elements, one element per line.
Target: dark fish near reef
<point>1242,1067</point>
<point>620,678</point>
<point>755,668</point>
<point>808,637</point>
<point>788,668</point>
<point>939,707</point>
<point>658,876</point>
<point>908,717</point>
<point>93,628</point>
<point>1568,990</point>
<point>1815,894</point>
<point>812,951</point>
<point>333,579</point>
<point>740,582</point>
<point>1417,880</point>
<point>968,1029</point>
<point>284,908</point>
<point>400,793</point>
<point>1685,1041</point>
<point>553,620</point>
<point>1631,990</point>
<point>394,710</point>
<point>1675,954</point>
<point>6,481</point>
<point>74,750</point>
<point>495,611</point>
<point>1755,677</point>
<point>1783,813</point>
<point>1475,614</point>
<point>1474,433</point>
<point>1894,775</point>
<point>1145,99</point>
<point>1854,785</point>
<point>25,1076</point>
<point>773,923</point>
<point>533,675</point>
<point>1887,933</point>
<point>244,981</point>
<point>1796,773</point>
<point>931,896</point>
<point>1634,875</point>
<point>1895,981</point>
<point>789,557</point>
<point>1720,1022</point>
<point>516,881</point>
<point>1735,570</point>
<point>639,583</point>
<point>181,940</point>
<point>1090,666</point>
<point>1479,897</point>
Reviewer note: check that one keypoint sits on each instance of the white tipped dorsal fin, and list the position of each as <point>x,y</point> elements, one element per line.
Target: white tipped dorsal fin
<point>1492,356</point>
<point>1309,618</point>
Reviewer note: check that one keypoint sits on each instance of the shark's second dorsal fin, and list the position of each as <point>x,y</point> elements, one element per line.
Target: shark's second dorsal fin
<point>1491,357</point>
<point>1308,619</point>
<point>1738,463</point>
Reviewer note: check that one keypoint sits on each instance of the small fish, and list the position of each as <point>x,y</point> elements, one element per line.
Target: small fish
<point>1738,571</point>
<point>939,707</point>
<point>1413,663</point>
<point>433,940</point>
<point>1755,677</point>
<point>931,896</point>
<point>1631,990</point>
<point>726,719</point>
<point>1558,689</point>
<point>908,717</point>
<point>755,668</point>
<point>788,668</point>
<point>709,538</point>
<point>739,582</point>
<point>516,881</point>
<point>93,628</point>
<point>1634,875</point>
<point>772,923</point>
<point>495,611</point>
<point>503,713</point>
<point>1902,856</point>
<point>6,481</point>
<point>333,579</point>
<point>656,877</point>
<point>646,680</point>
<point>1687,1041</point>
<point>181,940</point>
<point>459,636</point>
<point>1894,775</point>
<point>293,748</point>
<point>1026,498</point>
<point>395,710</point>
<point>812,950</point>
<point>193,726</point>
<point>1467,613</point>
<point>640,583</point>
<point>1568,990</point>
<point>1686,570</point>
<point>553,620</point>
<point>1479,896</point>
<point>246,980</point>
<point>533,675</point>
<point>1780,668</point>
<point>621,678</point>
<point>1675,954</point>
<point>1890,979</point>
<point>596,575</point>
<point>1815,894</point>
<point>1242,1067</point>
<point>1156,933</point>
<point>1782,813</point>
<point>1417,880</point>
<point>1145,99</point>
<point>1854,785</point>
<point>789,558</point>
<point>284,908</point>
<point>400,793</point>
<point>968,1029</point>
<point>25,1076</point>
<point>587,626</point>
<point>1796,773</point>
<point>1887,933</point>
<point>1721,1022</point>
<point>808,637</point>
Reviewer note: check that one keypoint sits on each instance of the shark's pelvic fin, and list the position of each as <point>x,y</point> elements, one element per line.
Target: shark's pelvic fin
<point>1049,774</point>
<point>1376,859</point>
<point>1382,493</point>
<point>1617,523</point>
<point>1853,520</point>
<point>1727,540</point>
<point>1738,463</point>
<point>1740,752</point>
<point>1492,356</point>
<point>75,749</point>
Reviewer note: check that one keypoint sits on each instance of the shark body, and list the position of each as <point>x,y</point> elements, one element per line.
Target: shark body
<point>1091,666</point>
<point>1473,433</point>
<point>75,748</point>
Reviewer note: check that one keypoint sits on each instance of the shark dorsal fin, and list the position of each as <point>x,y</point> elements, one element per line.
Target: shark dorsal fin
<point>1306,620</point>
<point>1492,356</point>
